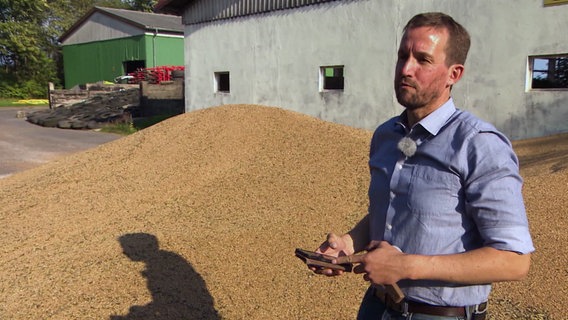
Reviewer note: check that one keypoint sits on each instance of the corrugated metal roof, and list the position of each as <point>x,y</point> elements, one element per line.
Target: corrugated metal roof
<point>197,11</point>
<point>143,20</point>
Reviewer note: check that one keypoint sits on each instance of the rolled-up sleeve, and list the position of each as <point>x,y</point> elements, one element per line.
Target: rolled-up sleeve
<point>494,194</point>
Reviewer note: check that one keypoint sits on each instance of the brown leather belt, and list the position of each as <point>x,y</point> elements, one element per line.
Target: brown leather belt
<point>407,307</point>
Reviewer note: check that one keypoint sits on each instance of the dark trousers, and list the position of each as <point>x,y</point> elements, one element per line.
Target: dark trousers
<point>372,308</point>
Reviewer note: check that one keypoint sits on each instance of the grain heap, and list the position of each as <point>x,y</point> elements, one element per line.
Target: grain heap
<point>198,216</point>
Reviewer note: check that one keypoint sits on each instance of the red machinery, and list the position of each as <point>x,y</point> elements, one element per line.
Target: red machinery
<point>156,75</point>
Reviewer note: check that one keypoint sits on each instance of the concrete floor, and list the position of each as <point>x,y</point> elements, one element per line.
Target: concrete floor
<point>24,145</point>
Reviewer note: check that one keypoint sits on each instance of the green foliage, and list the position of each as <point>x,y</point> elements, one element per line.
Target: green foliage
<point>120,128</point>
<point>7,103</point>
<point>26,102</point>
<point>136,125</point>
<point>26,65</point>
<point>141,5</point>
<point>23,90</point>
<point>30,54</point>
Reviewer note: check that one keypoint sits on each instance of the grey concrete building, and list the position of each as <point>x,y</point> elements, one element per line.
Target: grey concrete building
<point>335,59</point>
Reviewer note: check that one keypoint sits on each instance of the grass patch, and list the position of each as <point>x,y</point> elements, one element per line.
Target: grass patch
<point>23,102</point>
<point>134,126</point>
<point>8,103</point>
<point>120,128</point>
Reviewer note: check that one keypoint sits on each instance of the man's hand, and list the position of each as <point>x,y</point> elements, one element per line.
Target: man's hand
<point>335,246</point>
<point>382,264</point>
<point>392,289</point>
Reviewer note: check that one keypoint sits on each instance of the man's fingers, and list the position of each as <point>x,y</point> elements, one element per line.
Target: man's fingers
<point>360,269</point>
<point>349,259</point>
<point>326,271</point>
<point>332,240</point>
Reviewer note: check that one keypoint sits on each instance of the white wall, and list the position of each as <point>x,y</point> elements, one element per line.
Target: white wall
<point>274,59</point>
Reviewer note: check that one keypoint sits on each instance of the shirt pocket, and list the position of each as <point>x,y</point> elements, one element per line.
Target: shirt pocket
<point>434,192</point>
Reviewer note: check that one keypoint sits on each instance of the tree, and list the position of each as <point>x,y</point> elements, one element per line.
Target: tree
<point>24,62</point>
<point>30,54</point>
<point>142,5</point>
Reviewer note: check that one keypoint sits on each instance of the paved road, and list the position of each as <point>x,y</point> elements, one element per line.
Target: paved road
<point>24,145</point>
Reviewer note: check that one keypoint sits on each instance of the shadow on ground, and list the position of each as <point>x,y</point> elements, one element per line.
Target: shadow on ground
<point>178,291</point>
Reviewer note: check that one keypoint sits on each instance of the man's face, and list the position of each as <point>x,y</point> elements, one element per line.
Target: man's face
<point>422,79</point>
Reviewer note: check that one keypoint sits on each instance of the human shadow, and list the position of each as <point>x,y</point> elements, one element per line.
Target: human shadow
<point>178,291</point>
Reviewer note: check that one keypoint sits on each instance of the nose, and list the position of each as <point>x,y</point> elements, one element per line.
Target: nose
<point>406,66</point>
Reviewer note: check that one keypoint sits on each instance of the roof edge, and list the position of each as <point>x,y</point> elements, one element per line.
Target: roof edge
<point>103,10</point>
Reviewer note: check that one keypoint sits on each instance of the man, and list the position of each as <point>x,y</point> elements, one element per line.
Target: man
<point>446,215</point>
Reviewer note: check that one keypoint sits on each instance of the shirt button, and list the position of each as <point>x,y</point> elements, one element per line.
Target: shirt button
<point>391,195</point>
<point>398,166</point>
<point>389,226</point>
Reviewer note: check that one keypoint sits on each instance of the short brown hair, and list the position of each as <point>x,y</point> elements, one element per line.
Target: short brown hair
<point>458,40</point>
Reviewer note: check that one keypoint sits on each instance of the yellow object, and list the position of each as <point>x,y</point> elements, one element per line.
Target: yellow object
<point>554,2</point>
<point>32,101</point>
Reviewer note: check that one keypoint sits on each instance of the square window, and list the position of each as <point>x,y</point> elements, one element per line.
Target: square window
<point>549,72</point>
<point>222,82</point>
<point>331,78</point>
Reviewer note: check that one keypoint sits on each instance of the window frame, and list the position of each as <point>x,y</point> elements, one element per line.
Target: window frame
<point>530,85</point>
<point>219,85</point>
<point>326,84</point>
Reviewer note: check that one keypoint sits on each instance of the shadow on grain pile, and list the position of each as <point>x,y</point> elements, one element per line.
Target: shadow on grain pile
<point>230,191</point>
<point>197,217</point>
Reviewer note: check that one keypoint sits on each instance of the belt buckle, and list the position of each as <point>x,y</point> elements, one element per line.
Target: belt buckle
<point>404,311</point>
<point>401,307</point>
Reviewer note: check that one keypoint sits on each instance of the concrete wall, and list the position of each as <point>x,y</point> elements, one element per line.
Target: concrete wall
<point>166,98</point>
<point>274,59</point>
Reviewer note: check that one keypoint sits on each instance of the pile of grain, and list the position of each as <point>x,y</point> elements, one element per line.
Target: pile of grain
<point>198,216</point>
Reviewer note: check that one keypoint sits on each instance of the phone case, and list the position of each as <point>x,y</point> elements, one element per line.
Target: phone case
<point>315,259</point>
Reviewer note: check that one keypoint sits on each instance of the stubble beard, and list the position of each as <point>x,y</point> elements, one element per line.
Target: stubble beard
<point>412,98</point>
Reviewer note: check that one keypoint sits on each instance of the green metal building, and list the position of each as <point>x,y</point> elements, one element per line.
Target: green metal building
<point>107,43</point>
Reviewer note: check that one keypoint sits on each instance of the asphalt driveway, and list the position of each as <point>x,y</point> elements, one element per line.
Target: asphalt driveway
<point>24,145</point>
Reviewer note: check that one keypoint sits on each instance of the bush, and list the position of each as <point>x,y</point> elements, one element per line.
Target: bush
<point>27,89</point>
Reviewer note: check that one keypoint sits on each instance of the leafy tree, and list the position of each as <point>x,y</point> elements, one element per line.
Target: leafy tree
<point>25,65</point>
<point>30,55</point>
<point>142,5</point>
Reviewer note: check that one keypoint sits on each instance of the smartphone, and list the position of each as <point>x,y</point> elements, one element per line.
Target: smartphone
<point>320,260</point>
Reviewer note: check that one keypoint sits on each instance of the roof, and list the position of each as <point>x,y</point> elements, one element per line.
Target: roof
<point>199,11</point>
<point>171,6</point>
<point>143,20</point>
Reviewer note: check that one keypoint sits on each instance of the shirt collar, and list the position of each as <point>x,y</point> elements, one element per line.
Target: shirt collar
<point>435,120</point>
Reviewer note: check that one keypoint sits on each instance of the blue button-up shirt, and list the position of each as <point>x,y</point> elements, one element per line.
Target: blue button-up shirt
<point>459,191</point>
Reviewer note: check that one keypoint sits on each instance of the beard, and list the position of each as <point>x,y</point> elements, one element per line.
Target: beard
<point>412,96</point>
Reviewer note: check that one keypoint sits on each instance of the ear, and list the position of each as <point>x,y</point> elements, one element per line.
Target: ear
<point>455,72</point>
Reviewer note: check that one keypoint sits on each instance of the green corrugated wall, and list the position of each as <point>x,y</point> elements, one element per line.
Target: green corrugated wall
<point>103,60</point>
